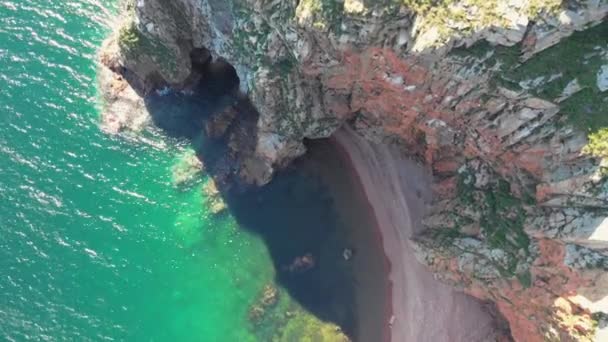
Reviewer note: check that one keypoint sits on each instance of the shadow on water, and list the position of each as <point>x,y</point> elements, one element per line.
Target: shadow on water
<point>182,114</point>
<point>293,214</point>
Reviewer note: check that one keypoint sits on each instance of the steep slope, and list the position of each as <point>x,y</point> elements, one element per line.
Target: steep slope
<point>504,101</point>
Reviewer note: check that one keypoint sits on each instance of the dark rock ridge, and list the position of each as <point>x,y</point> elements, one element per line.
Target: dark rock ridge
<point>504,101</point>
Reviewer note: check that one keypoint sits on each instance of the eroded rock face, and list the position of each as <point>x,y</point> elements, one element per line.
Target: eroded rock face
<point>499,109</point>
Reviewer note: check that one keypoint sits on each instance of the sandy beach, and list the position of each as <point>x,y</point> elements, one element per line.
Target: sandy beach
<point>423,308</point>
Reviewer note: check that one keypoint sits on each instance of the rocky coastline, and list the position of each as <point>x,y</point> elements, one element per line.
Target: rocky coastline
<point>503,103</point>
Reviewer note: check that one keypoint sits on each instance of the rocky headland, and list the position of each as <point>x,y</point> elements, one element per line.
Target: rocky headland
<point>503,103</point>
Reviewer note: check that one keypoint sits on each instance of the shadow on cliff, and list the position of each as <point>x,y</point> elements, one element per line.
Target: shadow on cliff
<point>212,87</point>
<point>179,109</point>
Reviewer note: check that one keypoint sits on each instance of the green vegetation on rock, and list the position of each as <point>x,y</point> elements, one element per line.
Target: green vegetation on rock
<point>275,317</point>
<point>487,9</point>
<point>598,143</point>
<point>578,57</point>
<point>576,60</point>
<point>525,278</point>
<point>307,328</point>
<point>467,16</point>
<point>501,220</point>
<point>565,73</point>
<point>326,13</point>
<point>137,45</point>
<point>446,237</point>
<point>251,39</point>
<point>128,36</point>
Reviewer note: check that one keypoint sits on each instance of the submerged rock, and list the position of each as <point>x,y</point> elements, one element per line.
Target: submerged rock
<point>213,197</point>
<point>189,168</point>
<point>301,263</point>
<point>217,207</point>
<point>256,314</point>
<point>306,327</point>
<point>266,301</point>
<point>270,296</point>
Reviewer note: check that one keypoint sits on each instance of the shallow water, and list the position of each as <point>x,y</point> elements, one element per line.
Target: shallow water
<point>96,240</point>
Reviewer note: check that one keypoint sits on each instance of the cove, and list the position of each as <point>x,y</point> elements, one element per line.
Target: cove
<point>314,208</point>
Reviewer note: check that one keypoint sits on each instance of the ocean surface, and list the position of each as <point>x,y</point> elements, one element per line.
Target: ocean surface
<point>97,242</point>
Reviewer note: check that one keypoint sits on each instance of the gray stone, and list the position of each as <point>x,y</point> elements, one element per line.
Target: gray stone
<point>602,78</point>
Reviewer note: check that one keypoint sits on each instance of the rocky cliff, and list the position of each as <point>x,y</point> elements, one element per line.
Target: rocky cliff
<point>506,102</point>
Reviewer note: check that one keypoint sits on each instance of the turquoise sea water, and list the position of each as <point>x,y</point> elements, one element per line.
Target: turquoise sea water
<point>96,241</point>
